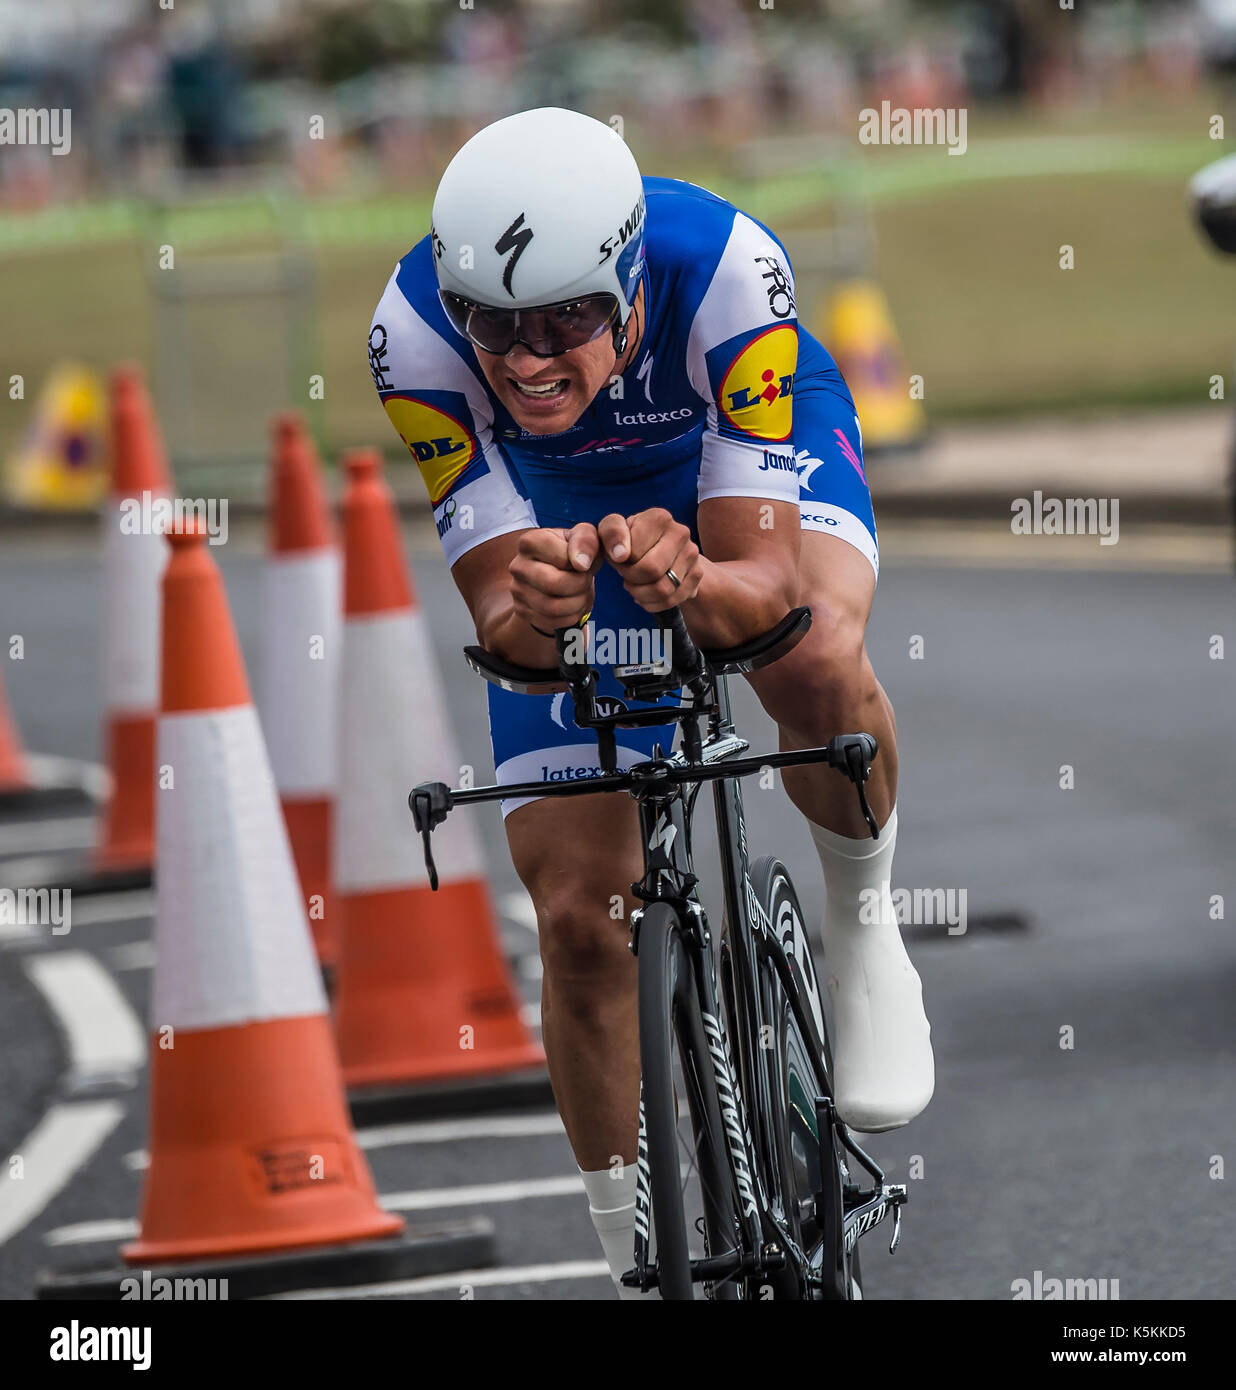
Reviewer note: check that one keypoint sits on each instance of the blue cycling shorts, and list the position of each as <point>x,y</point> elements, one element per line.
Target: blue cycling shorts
<point>534,737</point>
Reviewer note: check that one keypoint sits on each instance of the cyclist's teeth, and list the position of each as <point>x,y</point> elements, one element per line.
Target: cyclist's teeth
<point>544,390</point>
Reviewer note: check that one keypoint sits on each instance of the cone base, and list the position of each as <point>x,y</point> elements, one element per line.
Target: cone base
<point>127,838</point>
<point>435,1248</point>
<point>445,1068</point>
<point>471,1095</point>
<point>423,992</point>
<point>73,875</point>
<point>155,1251</point>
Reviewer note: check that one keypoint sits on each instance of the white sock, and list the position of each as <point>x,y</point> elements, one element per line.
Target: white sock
<point>611,1204</point>
<point>882,1057</point>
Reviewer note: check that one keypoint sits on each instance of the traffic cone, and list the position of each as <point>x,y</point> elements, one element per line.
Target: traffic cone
<point>14,773</point>
<point>423,992</point>
<point>133,560</point>
<point>297,692</point>
<point>251,1149</point>
<point>863,340</point>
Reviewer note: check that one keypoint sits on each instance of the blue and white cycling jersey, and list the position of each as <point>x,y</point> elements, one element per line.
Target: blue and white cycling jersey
<point>726,397</point>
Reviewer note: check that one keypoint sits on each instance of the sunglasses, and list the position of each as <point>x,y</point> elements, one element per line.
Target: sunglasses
<point>546,331</point>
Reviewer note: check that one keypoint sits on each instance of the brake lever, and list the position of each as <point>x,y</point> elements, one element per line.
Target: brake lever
<point>852,754</point>
<point>429,803</point>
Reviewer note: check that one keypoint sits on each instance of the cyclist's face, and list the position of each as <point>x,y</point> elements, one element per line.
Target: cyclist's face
<point>519,379</point>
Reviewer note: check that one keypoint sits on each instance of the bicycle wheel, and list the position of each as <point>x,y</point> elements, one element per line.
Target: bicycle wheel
<point>810,1173</point>
<point>694,1200</point>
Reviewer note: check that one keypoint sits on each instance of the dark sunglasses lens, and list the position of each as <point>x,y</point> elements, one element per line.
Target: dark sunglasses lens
<point>566,326</point>
<point>547,332</point>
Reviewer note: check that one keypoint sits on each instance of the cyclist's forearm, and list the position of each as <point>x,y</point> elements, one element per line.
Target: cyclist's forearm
<point>500,630</point>
<point>738,600</point>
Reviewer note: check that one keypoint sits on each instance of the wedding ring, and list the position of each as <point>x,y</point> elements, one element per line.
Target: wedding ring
<point>673,578</point>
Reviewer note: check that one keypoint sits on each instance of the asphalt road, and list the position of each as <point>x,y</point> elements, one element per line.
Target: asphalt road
<point>1098,1160</point>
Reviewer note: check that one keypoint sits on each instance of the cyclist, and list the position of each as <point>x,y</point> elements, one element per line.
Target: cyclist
<point>615,410</point>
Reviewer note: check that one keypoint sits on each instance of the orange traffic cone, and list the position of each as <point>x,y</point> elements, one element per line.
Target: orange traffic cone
<point>14,774</point>
<point>423,993</point>
<point>297,692</point>
<point>251,1149</point>
<point>133,560</point>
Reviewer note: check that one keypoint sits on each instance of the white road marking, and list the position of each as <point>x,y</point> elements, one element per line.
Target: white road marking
<point>12,932</point>
<point>518,908</point>
<point>88,1232</point>
<point>529,1126</point>
<point>517,1190</point>
<point>114,907</point>
<point>429,1199</point>
<point>61,1143</point>
<point>51,771</point>
<point>134,955</point>
<point>69,832</point>
<point>476,1278</point>
<point>102,1031</point>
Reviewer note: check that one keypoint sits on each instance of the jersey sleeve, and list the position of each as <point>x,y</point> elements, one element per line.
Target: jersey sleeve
<point>443,415</point>
<point>742,352</point>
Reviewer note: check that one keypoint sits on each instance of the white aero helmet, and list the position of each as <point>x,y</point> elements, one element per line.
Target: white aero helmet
<point>541,208</point>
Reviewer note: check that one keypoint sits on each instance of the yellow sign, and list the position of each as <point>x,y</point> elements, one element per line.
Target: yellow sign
<point>441,444</point>
<point>61,464</point>
<point>756,388</point>
<point>863,340</point>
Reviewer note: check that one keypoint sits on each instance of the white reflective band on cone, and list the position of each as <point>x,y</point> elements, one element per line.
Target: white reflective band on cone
<point>231,934</point>
<point>298,693</point>
<point>132,566</point>
<point>393,734</point>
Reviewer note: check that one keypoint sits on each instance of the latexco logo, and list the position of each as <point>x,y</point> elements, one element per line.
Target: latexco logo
<point>924,125</point>
<point>78,1343</point>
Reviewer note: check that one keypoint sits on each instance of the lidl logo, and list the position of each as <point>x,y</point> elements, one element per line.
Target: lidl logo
<point>754,396</point>
<point>441,444</point>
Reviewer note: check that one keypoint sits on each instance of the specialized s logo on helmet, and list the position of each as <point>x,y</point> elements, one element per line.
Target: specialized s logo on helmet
<point>515,239</point>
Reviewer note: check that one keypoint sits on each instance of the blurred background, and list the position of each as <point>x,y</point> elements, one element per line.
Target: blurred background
<point>287,151</point>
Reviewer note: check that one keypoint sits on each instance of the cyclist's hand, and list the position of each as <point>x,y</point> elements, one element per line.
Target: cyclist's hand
<point>551,576</point>
<point>643,549</point>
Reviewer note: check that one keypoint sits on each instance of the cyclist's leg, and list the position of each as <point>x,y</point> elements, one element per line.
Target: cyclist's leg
<point>883,1061</point>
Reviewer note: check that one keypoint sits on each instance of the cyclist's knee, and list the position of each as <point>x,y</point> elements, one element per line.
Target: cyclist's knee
<point>582,921</point>
<point>825,676</point>
<point>576,865</point>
